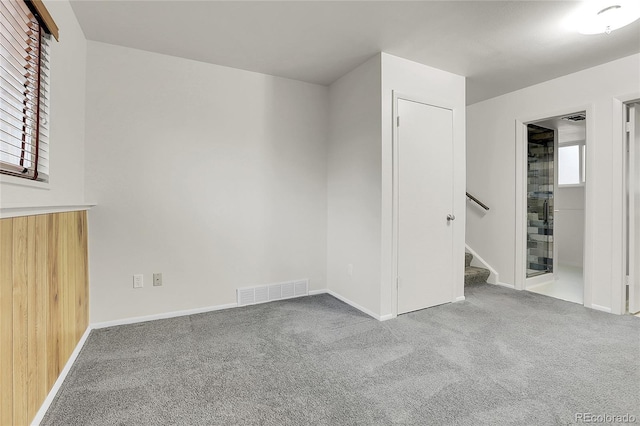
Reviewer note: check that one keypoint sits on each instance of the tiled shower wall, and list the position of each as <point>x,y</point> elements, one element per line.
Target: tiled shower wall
<point>540,182</point>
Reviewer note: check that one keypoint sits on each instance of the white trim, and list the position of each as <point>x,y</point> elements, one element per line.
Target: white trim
<point>632,207</point>
<point>539,280</point>
<point>17,211</point>
<point>394,202</point>
<point>134,320</point>
<point>618,136</point>
<point>63,375</point>
<point>355,305</point>
<point>18,181</point>
<point>358,307</point>
<point>165,315</point>
<point>520,249</point>
<point>600,308</point>
<point>460,299</point>
<point>507,285</point>
<point>494,277</point>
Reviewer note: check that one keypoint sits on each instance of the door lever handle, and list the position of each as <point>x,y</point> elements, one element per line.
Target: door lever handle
<point>450,217</point>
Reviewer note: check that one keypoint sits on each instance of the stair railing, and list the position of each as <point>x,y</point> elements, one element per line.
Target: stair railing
<point>480,203</point>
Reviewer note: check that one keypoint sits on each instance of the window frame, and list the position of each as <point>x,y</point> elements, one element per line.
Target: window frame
<point>582,173</point>
<point>26,19</point>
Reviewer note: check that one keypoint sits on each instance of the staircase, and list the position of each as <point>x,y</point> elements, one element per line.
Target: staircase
<point>473,274</point>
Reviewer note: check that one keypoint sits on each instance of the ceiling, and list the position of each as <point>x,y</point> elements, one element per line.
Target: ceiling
<point>500,46</point>
<point>568,131</point>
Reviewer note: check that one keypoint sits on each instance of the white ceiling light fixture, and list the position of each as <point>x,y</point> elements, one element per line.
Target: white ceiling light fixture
<point>604,16</point>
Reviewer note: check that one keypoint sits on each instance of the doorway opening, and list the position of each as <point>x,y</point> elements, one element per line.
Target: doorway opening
<point>555,213</point>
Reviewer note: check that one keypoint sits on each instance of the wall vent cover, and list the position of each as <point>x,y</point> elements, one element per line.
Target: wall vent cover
<point>246,296</point>
<point>270,292</point>
<point>581,116</point>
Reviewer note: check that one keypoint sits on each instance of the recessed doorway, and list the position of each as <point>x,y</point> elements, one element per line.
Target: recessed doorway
<point>556,181</point>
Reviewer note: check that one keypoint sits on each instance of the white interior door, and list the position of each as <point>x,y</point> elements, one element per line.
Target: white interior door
<point>425,201</point>
<point>634,208</point>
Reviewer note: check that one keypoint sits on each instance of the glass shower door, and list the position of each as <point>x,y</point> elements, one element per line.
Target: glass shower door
<point>540,186</point>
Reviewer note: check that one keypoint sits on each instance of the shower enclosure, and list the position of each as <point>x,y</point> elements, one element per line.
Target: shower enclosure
<point>540,188</point>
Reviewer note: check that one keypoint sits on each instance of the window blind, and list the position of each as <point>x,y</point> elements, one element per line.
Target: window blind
<point>24,92</point>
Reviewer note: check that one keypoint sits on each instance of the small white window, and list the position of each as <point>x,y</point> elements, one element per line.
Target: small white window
<point>571,164</point>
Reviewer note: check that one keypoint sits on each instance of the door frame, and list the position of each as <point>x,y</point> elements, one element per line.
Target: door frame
<point>457,273</point>
<point>620,104</point>
<point>545,278</point>
<point>521,196</point>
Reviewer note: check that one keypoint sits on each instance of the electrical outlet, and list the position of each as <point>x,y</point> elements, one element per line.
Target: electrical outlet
<point>157,279</point>
<point>138,281</point>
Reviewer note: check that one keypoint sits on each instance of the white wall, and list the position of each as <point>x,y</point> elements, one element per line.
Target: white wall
<point>67,118</point>
<point>360,174</point>
<point>568,225</point>
<point>213,176</point>
<point>491,168</point>
<point>439,88</point>
<point>354,192</point>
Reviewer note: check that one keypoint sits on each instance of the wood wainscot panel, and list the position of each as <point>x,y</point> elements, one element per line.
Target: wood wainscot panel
<point>43,306</point>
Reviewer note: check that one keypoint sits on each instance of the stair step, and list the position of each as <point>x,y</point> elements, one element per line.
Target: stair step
<point>467,259</point>
<point>475,275</point>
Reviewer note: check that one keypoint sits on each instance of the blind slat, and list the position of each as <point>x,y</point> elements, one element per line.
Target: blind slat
<point>10,80</point>
<point>28,156</point>
<point>13,67</point>
<point>8,47</point>
<point>9,139</point>
<point>12,113</point>
<point>17,99</point>
<point>18,153</point>
<point>8,124</point>
<point>18,41</point>
<point>21,26</point>
<point>17,12</point>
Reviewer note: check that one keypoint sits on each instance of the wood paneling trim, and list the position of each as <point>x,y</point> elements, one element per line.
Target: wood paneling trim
<point>6,322</point>
<point>43,306</point>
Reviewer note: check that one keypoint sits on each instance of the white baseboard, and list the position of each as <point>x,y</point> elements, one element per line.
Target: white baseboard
<point>601,308</point>
<point>352,304</point>
<point>459,299</point>
<point>539,280</point>
<point>174,314</point>
<point>165,315</point>
<point>478,261</point>
<point>63,374</point>
<point>506,285</point>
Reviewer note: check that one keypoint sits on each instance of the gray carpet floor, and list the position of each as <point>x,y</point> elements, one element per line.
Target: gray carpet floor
<point>501,357</point>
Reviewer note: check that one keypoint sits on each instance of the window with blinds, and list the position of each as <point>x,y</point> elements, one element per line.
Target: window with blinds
<point>24,90</point>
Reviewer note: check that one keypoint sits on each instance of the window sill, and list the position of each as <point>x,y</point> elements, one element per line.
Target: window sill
<point>16,211</point>
<point>571,185</point>
<point>12,180</point>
